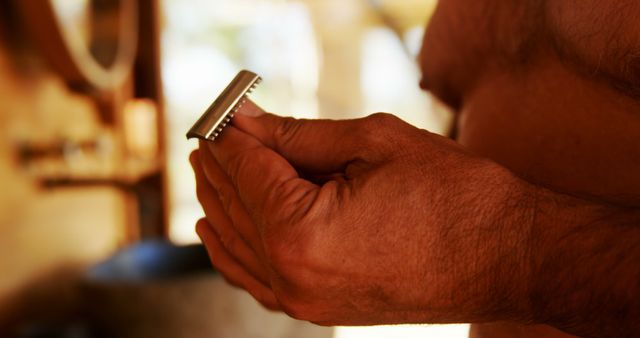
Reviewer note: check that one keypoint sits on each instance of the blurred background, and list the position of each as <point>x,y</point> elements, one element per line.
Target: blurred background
<point>97,206</point>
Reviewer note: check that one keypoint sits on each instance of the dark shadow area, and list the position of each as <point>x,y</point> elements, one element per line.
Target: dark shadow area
<point>147,283</point>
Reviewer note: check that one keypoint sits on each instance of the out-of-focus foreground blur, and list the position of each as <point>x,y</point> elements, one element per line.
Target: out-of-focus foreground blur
<point>97,206</point>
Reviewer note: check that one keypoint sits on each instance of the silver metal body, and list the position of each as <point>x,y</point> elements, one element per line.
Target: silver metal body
<point>216,117</point>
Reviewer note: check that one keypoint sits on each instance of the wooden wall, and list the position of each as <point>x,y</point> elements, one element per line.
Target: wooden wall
<point>44,228</point>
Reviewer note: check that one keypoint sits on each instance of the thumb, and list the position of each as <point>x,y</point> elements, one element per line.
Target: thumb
<point>321,146</point>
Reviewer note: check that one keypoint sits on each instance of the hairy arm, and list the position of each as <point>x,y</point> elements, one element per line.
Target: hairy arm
<point>586,258</point>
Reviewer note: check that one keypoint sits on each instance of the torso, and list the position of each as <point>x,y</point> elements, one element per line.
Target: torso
<point>557,129</point>
<point>553,120</point>
<point>578,142</point>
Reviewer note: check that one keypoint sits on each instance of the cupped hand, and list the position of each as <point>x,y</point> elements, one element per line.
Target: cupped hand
<point>365,221</point>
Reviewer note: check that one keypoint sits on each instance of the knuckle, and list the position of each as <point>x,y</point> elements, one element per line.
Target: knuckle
<point>376,126</point>
<point>378,120</point>
<point>287,130</point>
<point>388,133</point>
<point>377,131</point>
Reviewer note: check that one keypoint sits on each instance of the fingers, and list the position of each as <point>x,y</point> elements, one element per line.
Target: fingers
<point>321,146</point>
<point>233,272</point>
<point>228,197</point>
<point>268,186</point>
<point>223,226</point>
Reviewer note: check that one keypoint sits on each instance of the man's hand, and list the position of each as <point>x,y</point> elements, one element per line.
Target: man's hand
<point>365,221</point>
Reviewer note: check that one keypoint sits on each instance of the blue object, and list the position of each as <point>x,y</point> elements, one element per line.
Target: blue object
<point>152,260</point>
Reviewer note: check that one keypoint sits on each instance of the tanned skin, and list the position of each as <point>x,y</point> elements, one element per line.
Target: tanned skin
<point>531,217</point>
<point>550,90</point>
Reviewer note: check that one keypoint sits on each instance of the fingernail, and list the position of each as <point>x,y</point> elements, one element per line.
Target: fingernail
<point>250,109</point>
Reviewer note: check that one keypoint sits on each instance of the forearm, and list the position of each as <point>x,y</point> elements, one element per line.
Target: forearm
<point>586,266</point>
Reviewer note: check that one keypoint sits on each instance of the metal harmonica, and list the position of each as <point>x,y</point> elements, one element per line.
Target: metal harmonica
<point>221,111</point>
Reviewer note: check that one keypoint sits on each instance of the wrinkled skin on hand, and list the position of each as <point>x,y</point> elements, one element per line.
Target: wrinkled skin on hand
<point>374,221</point>
<point>361,221</point>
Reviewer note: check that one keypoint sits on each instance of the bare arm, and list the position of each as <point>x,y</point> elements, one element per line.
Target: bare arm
<point>587,266</point>
<point>373,221</point>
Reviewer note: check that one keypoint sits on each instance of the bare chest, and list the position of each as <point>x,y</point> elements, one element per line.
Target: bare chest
<point>555,128</point>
